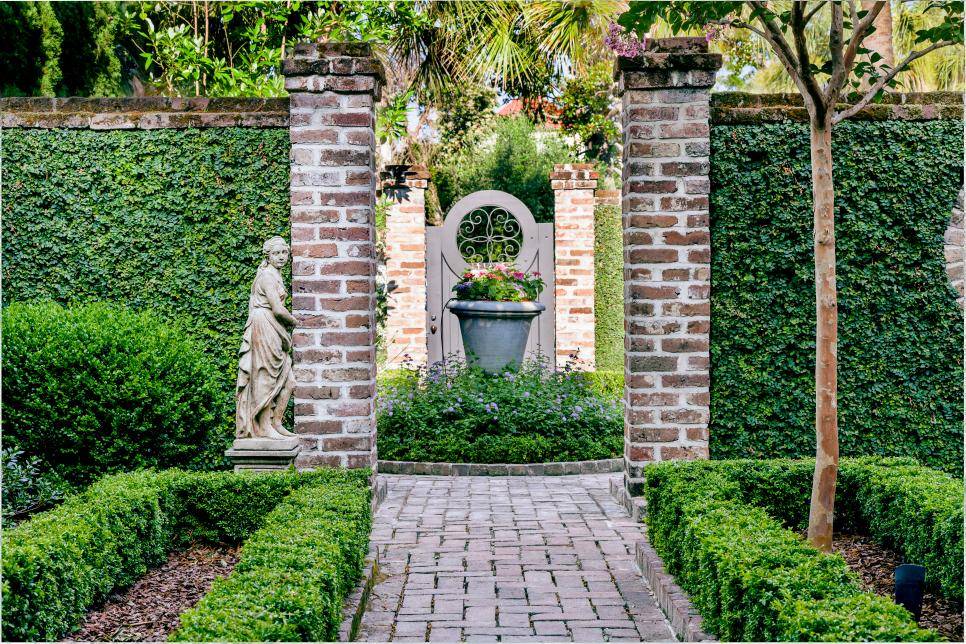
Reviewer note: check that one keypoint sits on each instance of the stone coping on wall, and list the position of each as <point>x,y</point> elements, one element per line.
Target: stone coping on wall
<point>502,469</point>
<point>155,112</point>
<point>734,108</point>
<point>143,113</point>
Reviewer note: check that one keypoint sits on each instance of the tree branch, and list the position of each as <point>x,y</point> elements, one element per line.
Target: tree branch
<point>798,33</point>
<point>815,10</point>
<point>837,81</point>
<point>773,35</point>
<point>882,82</point>
<point>838,75</point>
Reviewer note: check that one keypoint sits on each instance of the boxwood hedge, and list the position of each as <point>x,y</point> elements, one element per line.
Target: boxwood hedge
<point>97,388</point>
<point>165,220</point>
<point>720,527</point>
<point>60,563</point>
<point>293,573</point>
<point>900,329</point>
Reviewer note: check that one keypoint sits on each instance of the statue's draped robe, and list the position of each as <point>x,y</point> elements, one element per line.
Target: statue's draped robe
<point>264,360</point>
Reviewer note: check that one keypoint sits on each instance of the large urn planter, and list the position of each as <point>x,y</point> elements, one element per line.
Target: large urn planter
<point>495,333</point>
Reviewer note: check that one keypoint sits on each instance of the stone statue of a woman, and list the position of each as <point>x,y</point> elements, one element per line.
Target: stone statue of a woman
<point>265,380</point>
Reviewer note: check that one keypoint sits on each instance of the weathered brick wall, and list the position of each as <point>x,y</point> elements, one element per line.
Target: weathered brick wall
<point>332,91</point>
<point>144,113</point>
<point>667,253</point>
<point>405,239</point>
<point>573,231</point>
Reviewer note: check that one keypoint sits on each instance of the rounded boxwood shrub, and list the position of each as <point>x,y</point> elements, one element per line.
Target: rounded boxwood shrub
<point>99,388</point>
<point>455,413</point>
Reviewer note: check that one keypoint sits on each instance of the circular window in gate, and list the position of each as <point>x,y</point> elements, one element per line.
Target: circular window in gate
<point>489,235</point>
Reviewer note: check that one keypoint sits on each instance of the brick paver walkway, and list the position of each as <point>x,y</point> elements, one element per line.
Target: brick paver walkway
<point>546,558</point>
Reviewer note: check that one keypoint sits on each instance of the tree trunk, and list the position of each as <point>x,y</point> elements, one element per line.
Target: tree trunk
<point>880,41</point>
<point>822,507</point>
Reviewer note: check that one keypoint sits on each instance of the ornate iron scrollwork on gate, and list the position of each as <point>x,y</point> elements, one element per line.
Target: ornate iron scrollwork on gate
<point>489,234</point>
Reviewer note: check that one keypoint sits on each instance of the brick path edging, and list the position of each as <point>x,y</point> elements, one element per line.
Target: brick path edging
<point>502,469</point>
<point>355,604</point>
<point>684,617</point>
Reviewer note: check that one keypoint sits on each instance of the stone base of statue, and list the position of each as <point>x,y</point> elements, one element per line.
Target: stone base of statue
<point>263,454</point>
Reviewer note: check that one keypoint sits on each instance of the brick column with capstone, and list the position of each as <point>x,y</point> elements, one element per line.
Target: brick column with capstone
<point>667,253</point>
<point>405,239</point>
<point>332,91</point>
<point>573,231</point>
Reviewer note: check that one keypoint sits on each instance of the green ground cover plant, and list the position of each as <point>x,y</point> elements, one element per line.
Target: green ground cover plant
<point>60,563</point>
<point>168,220</point>
<point>98,388</point>
<point>727,531</point>
<point>455,413</point>
<point>900,329</point>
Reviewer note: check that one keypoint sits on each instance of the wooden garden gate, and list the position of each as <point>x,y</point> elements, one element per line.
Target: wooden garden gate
<point>486,227</point>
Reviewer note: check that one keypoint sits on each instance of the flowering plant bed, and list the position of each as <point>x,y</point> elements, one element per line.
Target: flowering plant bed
<point>454,413</point>
<point>499,283</point>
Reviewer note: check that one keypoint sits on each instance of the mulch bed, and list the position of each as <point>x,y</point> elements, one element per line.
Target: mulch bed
<point>149,610</point>
<point>876,568</point>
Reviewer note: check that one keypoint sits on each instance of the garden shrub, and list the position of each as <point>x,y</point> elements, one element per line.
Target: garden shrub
<point>514,157</point>
<point>168,220</point>
<point>609,384</point>
<point>455,413</point>
<point>718,525</point>
<point>27,489</point>
<point>900,329</point>
<point>59,563</point>
<point>97,388</point>
<point>293,574</point>
<point>609,288</point>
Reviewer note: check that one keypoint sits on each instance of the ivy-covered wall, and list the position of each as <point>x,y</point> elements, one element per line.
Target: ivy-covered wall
<point>900,329</point>
<point>609,288</point>
<point>171,220</point>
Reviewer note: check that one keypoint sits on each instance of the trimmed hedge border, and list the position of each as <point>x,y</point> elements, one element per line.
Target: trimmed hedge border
<point>293,573</point>
<point>59,563</point>
<point>754,580</point>
<point>502,469</point>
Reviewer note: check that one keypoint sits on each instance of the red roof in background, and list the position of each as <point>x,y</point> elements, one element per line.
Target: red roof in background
<point>551,112</point>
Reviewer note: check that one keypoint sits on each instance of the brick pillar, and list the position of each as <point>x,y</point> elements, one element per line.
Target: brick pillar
<point>667,253</point>
<point>573,234</point>
<point>332,88</point>
<point>405,332</point>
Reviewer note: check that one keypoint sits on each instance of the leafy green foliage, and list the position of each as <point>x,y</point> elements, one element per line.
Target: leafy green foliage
<point>60,563</point>
<point>97,388</point>
<point>900,330</point>
<point>514,157</point>
<point>170,221</point>
<point>27,488</point>
<point>609,384</point>
<point>453,413</point>
<point>499,283</point>
<point>61,49</point>
<point>293,573</point>
<point>750,578</point>
<point>585,103</point>
<point>609,288</point>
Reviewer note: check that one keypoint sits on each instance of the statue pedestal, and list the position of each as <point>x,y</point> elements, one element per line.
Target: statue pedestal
<point>263,454</point>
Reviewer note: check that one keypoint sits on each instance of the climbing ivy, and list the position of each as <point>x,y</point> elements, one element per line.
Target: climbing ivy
<point>900,330</point>
<point>609,288</point>
<point>167,220</point>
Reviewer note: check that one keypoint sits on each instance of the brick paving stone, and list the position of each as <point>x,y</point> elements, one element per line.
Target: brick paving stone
<point>512,559</point>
